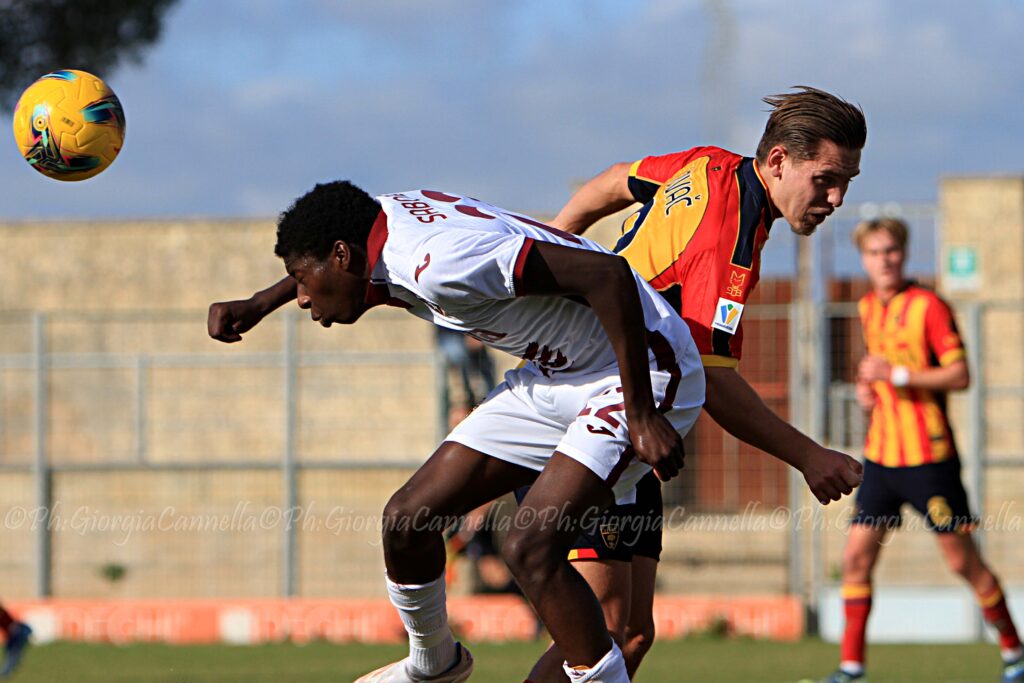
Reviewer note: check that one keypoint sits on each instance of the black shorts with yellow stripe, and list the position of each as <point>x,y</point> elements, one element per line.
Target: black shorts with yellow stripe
<point>622,531</point>
<point>934,490</point>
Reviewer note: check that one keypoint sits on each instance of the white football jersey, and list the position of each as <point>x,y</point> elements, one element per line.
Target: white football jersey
<point>458,262</point>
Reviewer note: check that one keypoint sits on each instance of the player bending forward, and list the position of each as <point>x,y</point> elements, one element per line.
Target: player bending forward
<point>612,381</point>
<point>705,215</point>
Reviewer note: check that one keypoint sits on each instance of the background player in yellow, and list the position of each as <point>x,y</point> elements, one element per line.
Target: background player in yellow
<point>914,356</point>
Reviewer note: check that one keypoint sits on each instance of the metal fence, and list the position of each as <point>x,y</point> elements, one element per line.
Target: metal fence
<point>139,459</point>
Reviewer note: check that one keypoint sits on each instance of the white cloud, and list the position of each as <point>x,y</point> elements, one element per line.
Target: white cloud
<point>246,104</point>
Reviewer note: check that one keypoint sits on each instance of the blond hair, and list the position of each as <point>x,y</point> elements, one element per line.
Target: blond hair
<point>894,226</point>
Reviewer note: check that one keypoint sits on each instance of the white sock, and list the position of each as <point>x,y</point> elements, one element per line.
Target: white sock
<point>852,668</point>
<point>423,612</point>
<point>609,669</point>
<point>1012,655</point>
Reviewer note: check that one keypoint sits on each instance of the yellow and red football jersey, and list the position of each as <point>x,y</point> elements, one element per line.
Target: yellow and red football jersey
<point>914,329</point>
<point>698,239</point>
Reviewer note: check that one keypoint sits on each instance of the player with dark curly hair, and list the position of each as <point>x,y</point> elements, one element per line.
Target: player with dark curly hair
<point>607,391</point>
<point>329,212</point>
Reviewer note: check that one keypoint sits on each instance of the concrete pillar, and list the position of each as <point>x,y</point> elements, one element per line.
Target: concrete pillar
<point>983,224</point>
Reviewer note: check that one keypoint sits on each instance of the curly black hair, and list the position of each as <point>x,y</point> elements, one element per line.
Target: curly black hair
<point>326,214</point>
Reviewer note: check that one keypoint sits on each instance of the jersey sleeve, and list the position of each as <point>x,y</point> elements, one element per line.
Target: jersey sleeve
<point>460,267</point>
<point>941,334</point>
<point>650,173</point>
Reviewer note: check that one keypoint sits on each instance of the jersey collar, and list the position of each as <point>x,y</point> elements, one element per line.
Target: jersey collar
<point>907,284</point>
<point>376,239</point>
<point>377,293</point>
<point>767,194</point>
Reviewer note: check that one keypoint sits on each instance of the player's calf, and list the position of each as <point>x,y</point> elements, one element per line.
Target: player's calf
<point>536,551</point>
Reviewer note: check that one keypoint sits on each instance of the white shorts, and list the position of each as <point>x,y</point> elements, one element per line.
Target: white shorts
<point>529,416</point>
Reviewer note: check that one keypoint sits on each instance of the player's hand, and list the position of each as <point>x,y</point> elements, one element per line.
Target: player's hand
<point>227,321</point>
<point>865,395</point>
<point>873,369</point>
<point>831,474</point>
<point>657,443</point>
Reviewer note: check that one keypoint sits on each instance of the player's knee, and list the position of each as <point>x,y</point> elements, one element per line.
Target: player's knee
<point>857,564</point>
<point>530,557</point>
<point>638,641</point>
<point>402,523</point>
<point>964,564</point>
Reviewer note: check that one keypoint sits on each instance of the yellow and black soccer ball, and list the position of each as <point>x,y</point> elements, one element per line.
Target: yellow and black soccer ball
<point>69,125</point>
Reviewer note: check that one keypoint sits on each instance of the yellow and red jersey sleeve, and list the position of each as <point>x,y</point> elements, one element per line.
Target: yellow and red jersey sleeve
<point>697,239</point>
<point>942,336</point>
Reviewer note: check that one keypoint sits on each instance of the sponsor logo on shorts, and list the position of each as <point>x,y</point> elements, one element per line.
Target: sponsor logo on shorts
<point>939,511</point>
<point>727,315</point>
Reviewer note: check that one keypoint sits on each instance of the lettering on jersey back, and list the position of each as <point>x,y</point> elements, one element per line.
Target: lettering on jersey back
<point>418,209</point>
<point>680,190</point>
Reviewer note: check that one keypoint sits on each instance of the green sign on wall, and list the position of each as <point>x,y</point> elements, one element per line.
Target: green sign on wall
<point>962,272</point>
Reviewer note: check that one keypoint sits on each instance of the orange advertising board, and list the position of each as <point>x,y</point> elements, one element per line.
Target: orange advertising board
<point>476,618</point>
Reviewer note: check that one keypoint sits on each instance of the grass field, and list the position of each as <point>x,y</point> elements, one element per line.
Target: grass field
<point>698,660</point>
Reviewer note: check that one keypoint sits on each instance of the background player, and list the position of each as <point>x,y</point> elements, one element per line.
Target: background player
<point>914,356</point>
<point>17,635</point>
<point>697,238</point>
<point>608,389</point>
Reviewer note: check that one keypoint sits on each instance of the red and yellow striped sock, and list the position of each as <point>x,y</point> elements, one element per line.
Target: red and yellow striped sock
<point>857,606</point>
<point>993,607</point>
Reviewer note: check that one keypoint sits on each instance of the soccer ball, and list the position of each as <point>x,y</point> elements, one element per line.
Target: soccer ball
<point>69,125</point>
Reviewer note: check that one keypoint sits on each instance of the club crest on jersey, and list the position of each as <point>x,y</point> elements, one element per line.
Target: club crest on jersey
<point>727,315</point>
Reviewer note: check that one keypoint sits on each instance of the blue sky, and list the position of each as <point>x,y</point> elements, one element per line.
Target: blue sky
<point>245,104</point>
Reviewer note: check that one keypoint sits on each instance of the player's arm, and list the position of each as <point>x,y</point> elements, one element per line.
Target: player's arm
<point>601,196</point>
<point>227,321</point>
<point>607,283</point>
<point>952,377</point>
<point>734,405</point>
<point>865,395</point>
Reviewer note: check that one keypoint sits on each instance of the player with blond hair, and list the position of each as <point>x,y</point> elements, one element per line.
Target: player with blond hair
<point>914,358</point>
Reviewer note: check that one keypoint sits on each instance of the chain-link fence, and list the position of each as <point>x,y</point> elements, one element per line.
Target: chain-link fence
<point>140,459</point>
